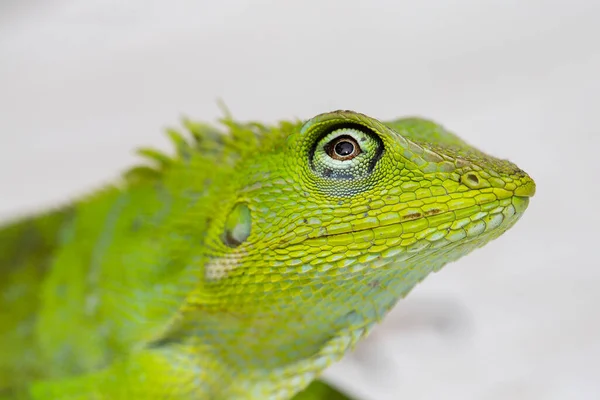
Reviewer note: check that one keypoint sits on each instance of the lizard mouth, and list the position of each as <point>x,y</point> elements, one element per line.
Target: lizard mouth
<point>525,190</point>
<point>425,227</point>
<point>520,203</point>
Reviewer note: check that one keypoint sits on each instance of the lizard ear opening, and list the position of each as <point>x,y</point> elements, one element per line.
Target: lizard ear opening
<point>238,225</point>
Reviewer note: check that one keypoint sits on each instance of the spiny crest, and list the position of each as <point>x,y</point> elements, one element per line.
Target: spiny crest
<point>228,143</point>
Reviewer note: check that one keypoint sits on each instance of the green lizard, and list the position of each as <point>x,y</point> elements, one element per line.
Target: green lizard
<point>246,263</point>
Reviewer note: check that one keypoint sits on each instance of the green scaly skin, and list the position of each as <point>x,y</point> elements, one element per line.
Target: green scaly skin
<point>245,264</point>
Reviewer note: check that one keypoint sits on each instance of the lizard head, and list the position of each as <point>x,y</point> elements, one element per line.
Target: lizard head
<point>330,222</point>
<point>344,195</point>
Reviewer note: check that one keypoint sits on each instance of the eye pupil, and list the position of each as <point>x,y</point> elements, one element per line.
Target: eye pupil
<point>344,148</point>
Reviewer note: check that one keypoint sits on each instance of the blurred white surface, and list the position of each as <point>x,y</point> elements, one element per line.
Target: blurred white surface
<point>84,83</point>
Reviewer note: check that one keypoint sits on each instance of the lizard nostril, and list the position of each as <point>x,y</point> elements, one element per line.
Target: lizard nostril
<point>474,181</point>
<point>473,178</point>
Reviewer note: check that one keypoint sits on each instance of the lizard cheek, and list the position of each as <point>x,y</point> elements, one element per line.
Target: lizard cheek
<point>237,226</point>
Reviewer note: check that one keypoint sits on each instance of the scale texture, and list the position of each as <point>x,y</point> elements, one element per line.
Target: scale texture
<point>244,264</point>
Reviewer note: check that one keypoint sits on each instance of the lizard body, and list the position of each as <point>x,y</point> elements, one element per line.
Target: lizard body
<point>243,265</point>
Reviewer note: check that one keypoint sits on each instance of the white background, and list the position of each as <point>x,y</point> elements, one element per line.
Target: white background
<point>82,83</point>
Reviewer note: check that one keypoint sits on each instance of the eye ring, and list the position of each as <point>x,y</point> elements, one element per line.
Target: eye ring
<point>343,148</point>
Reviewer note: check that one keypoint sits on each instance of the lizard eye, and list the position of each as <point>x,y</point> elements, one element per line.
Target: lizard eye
<point>343,148</point>
<point>346,152</point>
